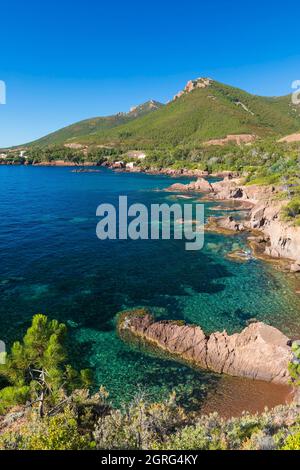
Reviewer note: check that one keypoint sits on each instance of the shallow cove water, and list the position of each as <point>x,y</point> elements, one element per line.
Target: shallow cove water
<point>52,262</point>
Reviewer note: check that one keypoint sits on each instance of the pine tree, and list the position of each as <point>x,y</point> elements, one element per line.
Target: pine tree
<point>36,369</point>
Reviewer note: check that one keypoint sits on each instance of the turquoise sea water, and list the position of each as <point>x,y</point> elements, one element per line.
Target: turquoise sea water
<point>52,262</point>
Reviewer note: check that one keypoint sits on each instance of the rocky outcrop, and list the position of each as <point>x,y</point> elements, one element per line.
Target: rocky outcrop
<point>282,238</point>
<point>201,185</point>
<point>226,189</point>
<point>151,105</point>
<point>223,224</point>
<point>192,85</point>
<point>259,352</point>
<point>295,268</point>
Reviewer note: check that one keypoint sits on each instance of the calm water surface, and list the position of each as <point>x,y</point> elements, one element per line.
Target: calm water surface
<point>52,262</point>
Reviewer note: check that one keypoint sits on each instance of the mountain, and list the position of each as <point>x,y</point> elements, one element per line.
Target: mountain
<point>91,126</point>
<point>204,110</point>
<point>145,108</point>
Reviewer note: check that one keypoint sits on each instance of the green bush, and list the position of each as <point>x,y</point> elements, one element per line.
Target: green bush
<point>294,365</point>
<point>76,420</point>
<point>36,369</point>
<point>293,441</point>
<point>292,210</point>
<point>60,432</point>
<point>140,425</point>
<point>10,396</point>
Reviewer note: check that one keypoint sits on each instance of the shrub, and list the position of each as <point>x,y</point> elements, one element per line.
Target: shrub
<point>60,432</point>
<point>294,365</point>
<point>139,425</point>
<point>10,396</point>
<point>292,209</point>
<point>293,441</point>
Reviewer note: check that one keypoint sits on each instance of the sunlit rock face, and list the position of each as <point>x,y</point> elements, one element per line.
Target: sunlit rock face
<point>193,84</point>
<point>259,352</point>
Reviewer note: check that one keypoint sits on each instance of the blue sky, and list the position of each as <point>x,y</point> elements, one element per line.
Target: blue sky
<point>63,61</point>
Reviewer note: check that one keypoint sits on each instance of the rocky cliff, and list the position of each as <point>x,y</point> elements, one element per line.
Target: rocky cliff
<point>192,85</point>
<point>282,238</point>
<point>259,352</point>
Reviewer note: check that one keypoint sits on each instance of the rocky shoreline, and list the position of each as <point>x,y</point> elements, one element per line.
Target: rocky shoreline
<point>50,163</point>
<point>173,173</point>
<point>177,173</point>
<point>271,236</point>
<point>117,166</point>
<point>259,352</point>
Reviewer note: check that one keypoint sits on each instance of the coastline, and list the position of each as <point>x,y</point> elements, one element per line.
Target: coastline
<point>240,383</point>
<point>270,239</point>
<point>51,163</point>
<point>151,171</point>
<point>269,236</point>
<point>257,385</point>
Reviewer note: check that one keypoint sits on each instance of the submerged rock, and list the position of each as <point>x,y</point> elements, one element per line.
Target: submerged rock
<point>225,225</point>
<point>259,352</point>
<point>239,255</point>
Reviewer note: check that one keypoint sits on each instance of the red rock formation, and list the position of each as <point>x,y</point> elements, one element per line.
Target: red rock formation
<point>283,237</point>
<point>259,352</point>
<point>201,185</point>
<point>192,85</point>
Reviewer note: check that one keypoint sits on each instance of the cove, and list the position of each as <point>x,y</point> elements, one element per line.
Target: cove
<point>53,263</point>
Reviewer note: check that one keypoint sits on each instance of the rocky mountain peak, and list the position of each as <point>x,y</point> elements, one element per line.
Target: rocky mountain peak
<point>150,105</point>
<point>191,85</point>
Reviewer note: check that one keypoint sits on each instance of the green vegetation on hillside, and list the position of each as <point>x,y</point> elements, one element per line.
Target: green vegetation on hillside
<point>92,126</point>
<point>264,162</point>
<point>174,136</point>
<point>75,419</point>
<point>203,114</point>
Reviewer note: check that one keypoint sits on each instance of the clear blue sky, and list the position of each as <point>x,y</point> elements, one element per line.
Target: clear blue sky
<point>63,61</point>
